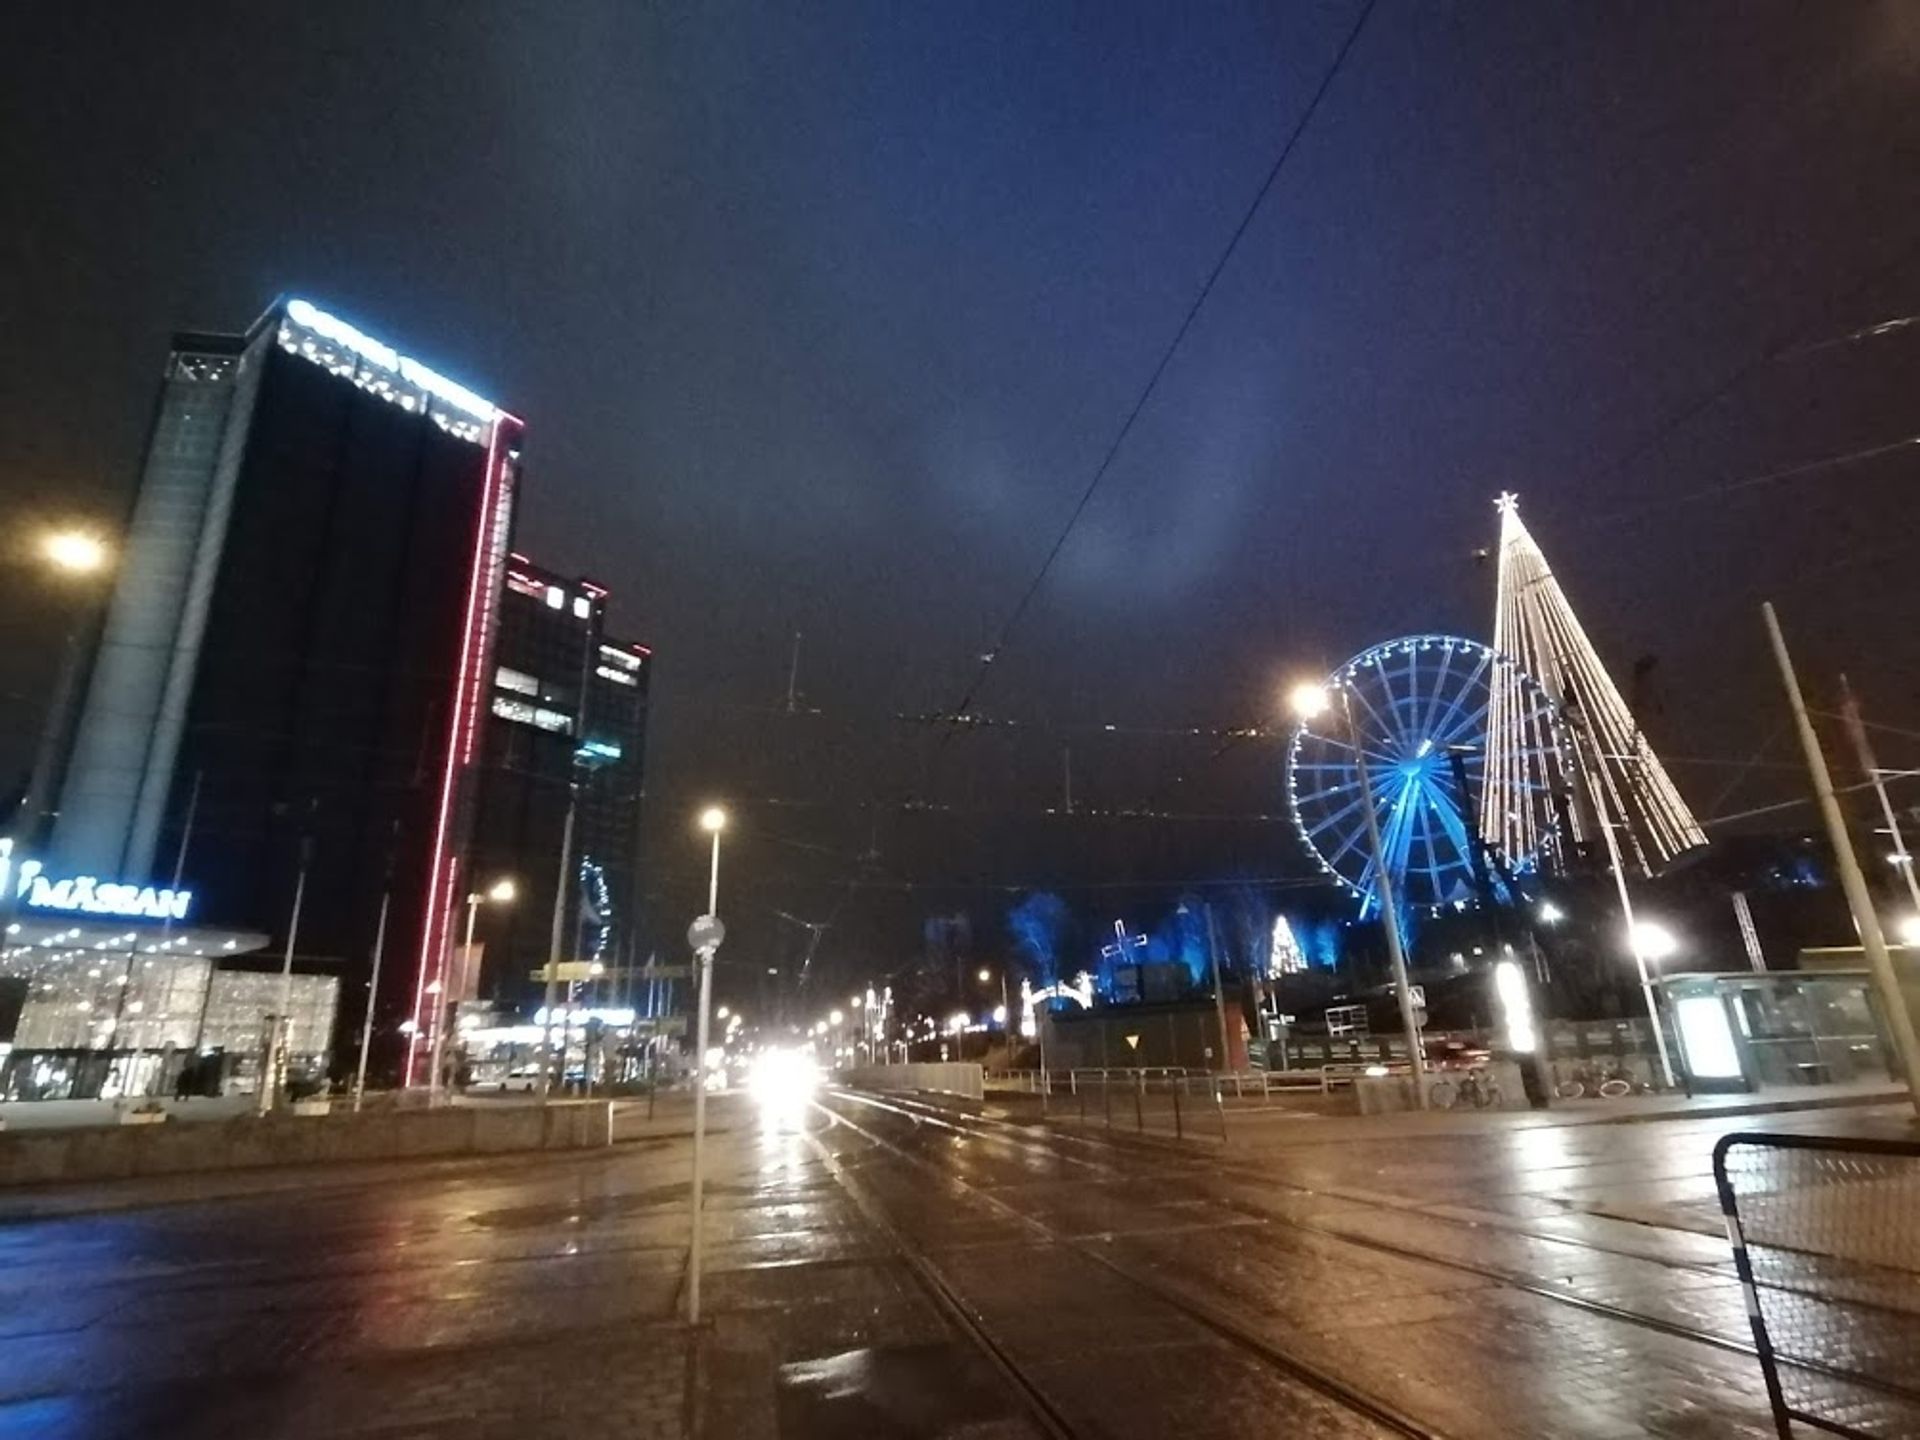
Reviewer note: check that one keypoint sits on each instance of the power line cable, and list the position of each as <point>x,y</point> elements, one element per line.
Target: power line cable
<point>1775,350</point>
<point>1166,358</point>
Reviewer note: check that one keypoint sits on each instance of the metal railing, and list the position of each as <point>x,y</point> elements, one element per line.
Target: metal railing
<point>1240,1084</point>
<point>1826,1239</point>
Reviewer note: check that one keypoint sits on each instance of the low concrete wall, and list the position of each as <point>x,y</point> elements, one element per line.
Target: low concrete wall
<point>115,1152</point>
<point>1388,1094</point>
<point>950,1078</point>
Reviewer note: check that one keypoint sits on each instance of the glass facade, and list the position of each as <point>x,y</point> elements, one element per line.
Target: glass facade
<point>109,1022</point>
<point>568,706</point>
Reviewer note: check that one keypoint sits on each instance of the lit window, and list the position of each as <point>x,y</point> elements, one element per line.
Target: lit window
<point>517,711</point>
<point>517,681</point>
<point>619,677</point>
<point>526,585</point>
<point>582,607</point>
<point>556,598</point>
<point>619,657</point>
<point>553,720</point>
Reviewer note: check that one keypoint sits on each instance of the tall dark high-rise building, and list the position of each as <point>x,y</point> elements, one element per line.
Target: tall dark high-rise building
<point>296,663</point>
<point>568,706</point>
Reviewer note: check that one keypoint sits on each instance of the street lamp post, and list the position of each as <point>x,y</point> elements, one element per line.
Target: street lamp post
<point>1310,701</point>
<point>500,892</point>
<point>705,936</point>
<point>555,933</point>
<point>77,555</point>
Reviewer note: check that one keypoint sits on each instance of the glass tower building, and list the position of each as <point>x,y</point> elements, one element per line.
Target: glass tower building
<point>297,660</point>
<point>568,707</point>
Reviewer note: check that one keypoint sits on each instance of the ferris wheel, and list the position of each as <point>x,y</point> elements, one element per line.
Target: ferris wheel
<point>1418,708</point>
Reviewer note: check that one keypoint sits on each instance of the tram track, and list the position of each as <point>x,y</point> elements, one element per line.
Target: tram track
<point>1214,1319</point>
<point>1503,1278</point>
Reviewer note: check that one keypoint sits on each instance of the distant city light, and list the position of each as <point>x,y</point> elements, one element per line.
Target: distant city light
<point>1516,1005</point>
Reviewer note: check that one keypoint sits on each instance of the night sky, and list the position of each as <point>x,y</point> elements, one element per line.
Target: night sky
<point>822,315</point>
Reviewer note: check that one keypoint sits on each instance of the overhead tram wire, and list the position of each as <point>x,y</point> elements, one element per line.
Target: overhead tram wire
<point>1777,349</point>
<point>1014,617</point>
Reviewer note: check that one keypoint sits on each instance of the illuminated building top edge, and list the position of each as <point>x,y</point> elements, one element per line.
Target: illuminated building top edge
<point>330,342</point>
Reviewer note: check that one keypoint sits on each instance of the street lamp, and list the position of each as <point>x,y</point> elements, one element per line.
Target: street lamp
<point>501,892</point>
<point>1310,702</point>
<point>74,555</point>
<point>705,936</point>
<point>74,551</point>
<point>1654,941</point>
<point>1908,930</point>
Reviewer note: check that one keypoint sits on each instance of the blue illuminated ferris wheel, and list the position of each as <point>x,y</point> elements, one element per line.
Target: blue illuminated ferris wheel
<point>1418,709</point>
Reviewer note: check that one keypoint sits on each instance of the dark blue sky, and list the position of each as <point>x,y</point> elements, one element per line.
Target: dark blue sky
<point>820,316</point>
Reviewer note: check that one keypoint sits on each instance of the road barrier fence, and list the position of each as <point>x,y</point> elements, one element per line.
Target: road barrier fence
<point>1826,1239</point>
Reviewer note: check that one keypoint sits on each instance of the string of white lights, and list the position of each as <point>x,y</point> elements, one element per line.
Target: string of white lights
<point>1620,778</point>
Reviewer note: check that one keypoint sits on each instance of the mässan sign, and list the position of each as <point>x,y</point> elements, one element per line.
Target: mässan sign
<point>90,895</point>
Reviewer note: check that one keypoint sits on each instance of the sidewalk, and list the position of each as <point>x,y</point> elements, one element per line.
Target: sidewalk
<point>1770,1100</point>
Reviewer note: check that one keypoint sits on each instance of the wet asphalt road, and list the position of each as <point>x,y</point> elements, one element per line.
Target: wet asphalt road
<point>879,1269</point>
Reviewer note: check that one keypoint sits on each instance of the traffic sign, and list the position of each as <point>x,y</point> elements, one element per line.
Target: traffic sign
<point>706,933</point>
<point>572,971</point>
<point>660,1024</point>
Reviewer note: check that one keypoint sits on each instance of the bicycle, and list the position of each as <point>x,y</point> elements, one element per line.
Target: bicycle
<point>1615,1084</point>
<point>1474,1087</point>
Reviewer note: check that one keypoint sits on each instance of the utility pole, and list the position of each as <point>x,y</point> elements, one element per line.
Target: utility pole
<point>793,676</point>
<point>1219,996</point>
<point>1902,857</point>
<point>554,935</point>
<point>373,995</point>
<point>1389,912</point>
<point>280,1034</point>
<point>704,935</point>
<point>1066,770</point>
<point>1595,795</point>
<point>1749,937</point>
<point>1859,899</point>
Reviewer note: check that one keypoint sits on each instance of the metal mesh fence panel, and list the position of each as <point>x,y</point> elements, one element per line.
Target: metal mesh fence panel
<point>1826,1235</point>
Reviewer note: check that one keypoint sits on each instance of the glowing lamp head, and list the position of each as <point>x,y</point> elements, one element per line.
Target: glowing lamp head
<point>1550,913</point>
<point>74,552</point>
<point>713,819</point>
<point>502,891</point>
<point>1908,930</point>
<point>836,1018</point>
<point>985,975</point>
<point>1309,701</point>
<point>1654,941</point>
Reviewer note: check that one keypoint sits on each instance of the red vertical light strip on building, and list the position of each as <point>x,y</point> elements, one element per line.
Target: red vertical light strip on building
<point>476,631</point>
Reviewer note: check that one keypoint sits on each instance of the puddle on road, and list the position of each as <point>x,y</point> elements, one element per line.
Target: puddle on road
<point>903,1392</point>
<point>600,1207</point>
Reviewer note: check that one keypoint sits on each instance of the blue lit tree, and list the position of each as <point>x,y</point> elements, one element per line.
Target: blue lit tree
<point>1041,927</point>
